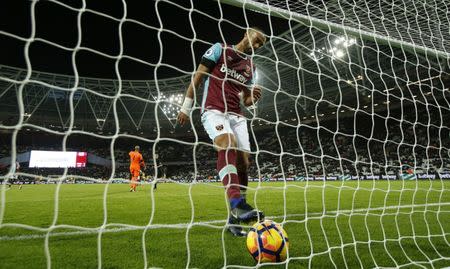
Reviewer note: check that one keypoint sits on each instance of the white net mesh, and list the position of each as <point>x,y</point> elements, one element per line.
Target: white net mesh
<point>350,142</point>
<point>421,23</point>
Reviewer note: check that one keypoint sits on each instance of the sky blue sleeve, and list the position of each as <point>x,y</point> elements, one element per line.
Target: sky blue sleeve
<point>213,53</point>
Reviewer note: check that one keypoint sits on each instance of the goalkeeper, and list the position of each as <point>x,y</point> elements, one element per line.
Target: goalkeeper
<point>136,162</point>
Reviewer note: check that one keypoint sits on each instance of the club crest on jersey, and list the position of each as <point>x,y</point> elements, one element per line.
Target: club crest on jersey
<point>219,127</point>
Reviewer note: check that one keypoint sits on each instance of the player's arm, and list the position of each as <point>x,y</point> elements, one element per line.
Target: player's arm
<point>202,70</point>
<point>185,110</point>
<point>209,60</point>
<point>251,95</point>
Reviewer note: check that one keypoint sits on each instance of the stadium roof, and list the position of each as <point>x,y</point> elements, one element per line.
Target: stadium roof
<point>308,74</point>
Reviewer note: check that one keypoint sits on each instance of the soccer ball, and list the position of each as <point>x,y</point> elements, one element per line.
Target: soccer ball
<point>267,241</point>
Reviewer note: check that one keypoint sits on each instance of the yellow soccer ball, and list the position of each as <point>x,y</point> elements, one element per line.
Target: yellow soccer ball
<point>267,241</point>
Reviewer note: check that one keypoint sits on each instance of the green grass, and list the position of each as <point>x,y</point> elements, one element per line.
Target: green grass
<point>323,230</point>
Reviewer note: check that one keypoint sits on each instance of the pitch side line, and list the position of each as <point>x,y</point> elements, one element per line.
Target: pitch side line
<point>185,225</point>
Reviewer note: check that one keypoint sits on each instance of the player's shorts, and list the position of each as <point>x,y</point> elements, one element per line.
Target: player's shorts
<point>135,171</point>
<point>217,123</point>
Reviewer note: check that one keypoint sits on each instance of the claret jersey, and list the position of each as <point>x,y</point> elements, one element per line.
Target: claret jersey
<point>231,73</point>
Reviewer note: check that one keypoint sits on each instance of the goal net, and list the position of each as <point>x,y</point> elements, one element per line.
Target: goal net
<point>350,143</point>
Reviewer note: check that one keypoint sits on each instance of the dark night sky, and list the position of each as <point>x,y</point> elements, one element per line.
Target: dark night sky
<point>58,24</point>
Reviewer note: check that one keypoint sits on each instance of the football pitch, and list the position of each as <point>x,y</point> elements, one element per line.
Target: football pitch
<point>330,225</point>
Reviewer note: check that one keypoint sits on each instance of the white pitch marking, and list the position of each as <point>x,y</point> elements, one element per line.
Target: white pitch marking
<point>186,225</point>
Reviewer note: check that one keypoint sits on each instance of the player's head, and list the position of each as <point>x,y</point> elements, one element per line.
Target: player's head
<point>137,148</point>
<point>254,38</point>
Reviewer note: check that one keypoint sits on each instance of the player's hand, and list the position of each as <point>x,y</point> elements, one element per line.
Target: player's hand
<point>182,118</point>
<point>256,93</point>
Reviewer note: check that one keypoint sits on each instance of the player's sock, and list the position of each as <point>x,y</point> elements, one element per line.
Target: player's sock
<point>133,184</point>
<point>226,165</point>
<point>243,181</point>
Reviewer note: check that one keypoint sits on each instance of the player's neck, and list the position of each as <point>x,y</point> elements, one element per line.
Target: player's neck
<point>239,47</point>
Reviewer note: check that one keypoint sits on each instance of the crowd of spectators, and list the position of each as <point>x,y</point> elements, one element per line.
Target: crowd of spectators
<point>277,151</point>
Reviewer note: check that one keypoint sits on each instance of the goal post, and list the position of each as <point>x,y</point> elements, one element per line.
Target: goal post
<point>350,142</point>
<point>297,11</point>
